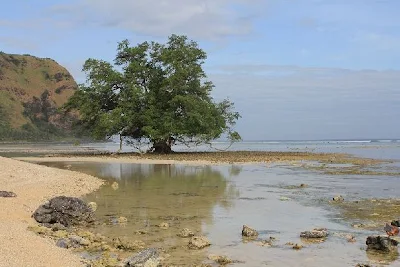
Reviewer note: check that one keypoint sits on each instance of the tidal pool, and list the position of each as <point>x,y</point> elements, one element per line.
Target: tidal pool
<point>216,201</point>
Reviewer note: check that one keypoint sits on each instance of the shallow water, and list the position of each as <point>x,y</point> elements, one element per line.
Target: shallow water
<point>217,200</point>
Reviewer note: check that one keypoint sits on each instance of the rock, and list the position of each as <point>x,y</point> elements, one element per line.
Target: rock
<point>115,186</point>
<point>63,243</point>
<point>93,205</point>
<point>350,238</point>
<point>185,232</point>
<point>119,220</point>
<point>363,265</point>
<point>395,223</point>
<point>7,194</point>
<point>284,199</point>
<point>125,244</point>
<point>222,260</point>
<point>381,243</point>
<point>78,241</point>
<point>249,232</point>
<point>297,246</point>
<point>163,225</point>
<point>338,198</point>
<point>315,233</point>
<point>68,211</point>
<point>265,243</point>
<point>145,258</point>
<point>303,185</point>
<point>198,242</point>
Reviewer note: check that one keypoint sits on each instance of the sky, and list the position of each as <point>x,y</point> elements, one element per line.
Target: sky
<point>295,69</point>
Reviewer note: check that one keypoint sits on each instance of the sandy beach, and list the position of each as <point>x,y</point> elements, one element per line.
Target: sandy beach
<point>33,185</point>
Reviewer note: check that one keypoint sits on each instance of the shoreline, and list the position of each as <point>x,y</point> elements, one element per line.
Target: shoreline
<point>34,185</point>
<point>208,158</point>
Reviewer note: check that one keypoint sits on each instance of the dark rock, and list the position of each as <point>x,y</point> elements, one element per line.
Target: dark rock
<point>363,265</point>
<point>315,233</point>
<point>7,194</point>
<point>395,223</point>
<point>249,232</point>
<point>381,243</point>
<point>148,257</point>
<point>68,211</point>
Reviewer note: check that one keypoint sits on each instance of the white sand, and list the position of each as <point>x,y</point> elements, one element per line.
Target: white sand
<point>33,185</point>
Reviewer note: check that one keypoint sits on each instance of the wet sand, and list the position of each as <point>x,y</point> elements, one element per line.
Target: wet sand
<point>33,185</point>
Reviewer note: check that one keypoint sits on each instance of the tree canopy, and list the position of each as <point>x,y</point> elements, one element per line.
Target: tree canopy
<point>153,92</point>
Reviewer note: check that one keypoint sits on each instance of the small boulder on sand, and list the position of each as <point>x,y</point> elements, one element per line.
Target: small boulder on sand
<point>249,232</point>
<point>68,211</point>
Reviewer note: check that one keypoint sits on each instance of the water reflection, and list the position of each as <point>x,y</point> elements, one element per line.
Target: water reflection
<point>183,196</point>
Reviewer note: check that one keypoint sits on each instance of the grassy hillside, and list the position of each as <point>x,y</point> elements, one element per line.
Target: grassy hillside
<point>31,90</point>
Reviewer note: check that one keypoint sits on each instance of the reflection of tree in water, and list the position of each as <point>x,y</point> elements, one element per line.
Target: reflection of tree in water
<point>163,191</point>
<point>183,196</point>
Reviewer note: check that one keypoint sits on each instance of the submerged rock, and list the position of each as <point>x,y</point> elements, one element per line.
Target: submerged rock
<point>297,246</point>
<point>115,186</point>
<point>381,243</point>
<point>222,260</point>
<point>315,233</point>
<point>185,232</point>
<point>68,211</point>
<point>119,220</point>
<point>125,244</point>
<point>164,225</point>
<point>7,194</point>
<point>249,232</point>
<point>198,242</point>
<point>145,258</point>
<point>93,205</point>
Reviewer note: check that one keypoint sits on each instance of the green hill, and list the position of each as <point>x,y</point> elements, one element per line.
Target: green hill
<point>31,91</point>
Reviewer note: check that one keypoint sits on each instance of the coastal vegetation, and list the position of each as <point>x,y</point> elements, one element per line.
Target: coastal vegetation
<point>155,94</point>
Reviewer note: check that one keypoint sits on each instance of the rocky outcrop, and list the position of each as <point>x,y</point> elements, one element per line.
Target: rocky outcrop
<point>381,243</point>
<point>68,211</point>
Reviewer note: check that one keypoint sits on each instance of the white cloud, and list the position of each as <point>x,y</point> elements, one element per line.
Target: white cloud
<point>209,19</point>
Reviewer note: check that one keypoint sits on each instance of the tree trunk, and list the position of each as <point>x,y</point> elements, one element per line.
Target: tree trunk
<point>162,147</point>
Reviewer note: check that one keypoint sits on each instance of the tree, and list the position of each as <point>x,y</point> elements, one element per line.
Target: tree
<point>154,92</point>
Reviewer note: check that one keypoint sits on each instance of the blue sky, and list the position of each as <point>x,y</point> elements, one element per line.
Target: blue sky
<point>296,69</point>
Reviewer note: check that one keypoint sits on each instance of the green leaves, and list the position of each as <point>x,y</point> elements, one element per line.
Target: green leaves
<point>159,92</point>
